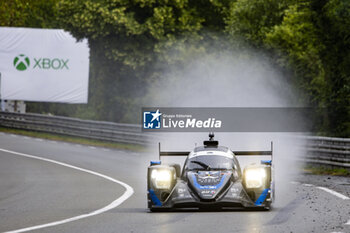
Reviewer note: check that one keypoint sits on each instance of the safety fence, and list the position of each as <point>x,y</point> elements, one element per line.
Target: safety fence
<point>99,130</point>
<point>328,151</point>
<point>320,150</point>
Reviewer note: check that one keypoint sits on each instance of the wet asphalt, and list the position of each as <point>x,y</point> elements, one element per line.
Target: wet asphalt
<point>34,192</point>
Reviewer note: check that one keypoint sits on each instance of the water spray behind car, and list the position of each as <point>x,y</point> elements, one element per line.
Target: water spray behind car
<point>232,79</point>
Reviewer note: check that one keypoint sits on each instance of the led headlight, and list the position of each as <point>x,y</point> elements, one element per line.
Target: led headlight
<point>255,178</point>
<point>162,178</point>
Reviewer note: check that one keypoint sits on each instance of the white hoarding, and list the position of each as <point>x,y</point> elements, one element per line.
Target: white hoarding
<point>43,65</point>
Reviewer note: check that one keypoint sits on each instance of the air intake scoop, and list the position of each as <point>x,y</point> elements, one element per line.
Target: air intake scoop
<point>211,142</point>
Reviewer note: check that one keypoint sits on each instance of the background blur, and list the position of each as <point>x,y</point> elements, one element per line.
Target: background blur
<point>198,53</point>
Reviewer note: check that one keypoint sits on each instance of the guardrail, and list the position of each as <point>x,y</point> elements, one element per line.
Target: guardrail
<point>320,150</point>
<point>99,130</point>
<point>328,151</point>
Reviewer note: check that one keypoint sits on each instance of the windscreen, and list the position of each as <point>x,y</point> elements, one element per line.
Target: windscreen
<point>209,162</point>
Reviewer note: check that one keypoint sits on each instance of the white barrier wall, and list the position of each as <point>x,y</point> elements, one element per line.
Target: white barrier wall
<point>46,65</point>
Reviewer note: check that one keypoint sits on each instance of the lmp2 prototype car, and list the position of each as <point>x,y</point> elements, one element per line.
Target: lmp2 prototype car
<point>211,178</point>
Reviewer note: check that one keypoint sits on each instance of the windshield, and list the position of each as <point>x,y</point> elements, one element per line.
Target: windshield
<point>209,162</point>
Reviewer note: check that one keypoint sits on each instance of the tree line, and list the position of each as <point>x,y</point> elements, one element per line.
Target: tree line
<point>129,42</point>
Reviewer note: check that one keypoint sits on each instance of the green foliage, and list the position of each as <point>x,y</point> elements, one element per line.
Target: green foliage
<point>297,44</point>
<point>250,20</point>
<point>128,39</point>
<point>322,170</point>
<point>334,24</point>
<point>310,39</point>
<point>27,13</point>
<point>131,43</point>
<point>128,30</point>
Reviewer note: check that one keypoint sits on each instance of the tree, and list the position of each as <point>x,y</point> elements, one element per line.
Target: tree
<point>334,23</point>
<point>310,40</point>
<point>251,20</point>
<point>298,46</point>
<point>27,13</point>
<point>128,39</point>
<point>132,42</point>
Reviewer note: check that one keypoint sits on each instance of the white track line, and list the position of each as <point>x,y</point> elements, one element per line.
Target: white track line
<point>334,193</point>
<point>327,190</point>
<point>128,192</point>
<point>348,223</point>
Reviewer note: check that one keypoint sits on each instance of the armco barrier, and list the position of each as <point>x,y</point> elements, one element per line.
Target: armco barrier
<point>328,151</point>
<point>320,150</point>
<point>106,131</point>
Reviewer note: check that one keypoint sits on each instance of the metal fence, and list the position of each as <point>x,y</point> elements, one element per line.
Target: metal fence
<point>334,152</point>
<point>320,150</point>
<point>99,130</point>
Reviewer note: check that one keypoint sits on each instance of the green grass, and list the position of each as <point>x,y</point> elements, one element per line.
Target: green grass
<point>321,170</point>
<point>71,139</point>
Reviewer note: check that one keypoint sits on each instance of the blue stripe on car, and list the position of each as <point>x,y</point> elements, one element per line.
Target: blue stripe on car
<point>269,162</point>
<point>154,198</point>
<point>155,163</point>
<point>208,186</point>
<point>262,197</point>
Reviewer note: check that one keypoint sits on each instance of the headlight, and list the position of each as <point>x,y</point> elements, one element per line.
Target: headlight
<point>255,178</point>
<point>161,178</point>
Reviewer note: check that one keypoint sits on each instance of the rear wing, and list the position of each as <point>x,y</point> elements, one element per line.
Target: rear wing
<point>237,153</point>
<point>257,153</point>
<point>172,153</point>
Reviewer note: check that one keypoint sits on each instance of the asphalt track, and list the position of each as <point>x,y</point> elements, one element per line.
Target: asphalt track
<point>35,192</point>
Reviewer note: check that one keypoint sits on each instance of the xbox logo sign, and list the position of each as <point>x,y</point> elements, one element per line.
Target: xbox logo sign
<point>21,62</point>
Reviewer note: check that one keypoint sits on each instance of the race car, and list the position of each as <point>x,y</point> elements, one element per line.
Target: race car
<point>211,178</point>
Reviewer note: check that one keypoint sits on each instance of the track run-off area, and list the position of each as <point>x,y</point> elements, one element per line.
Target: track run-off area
<point>49,186</point>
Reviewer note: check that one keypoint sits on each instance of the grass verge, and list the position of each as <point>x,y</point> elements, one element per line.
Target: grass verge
<point>321,170</point>
<point>71,139</point>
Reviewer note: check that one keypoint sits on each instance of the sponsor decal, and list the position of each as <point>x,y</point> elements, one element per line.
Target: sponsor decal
<point>208,193</point>
<point>22,62</point>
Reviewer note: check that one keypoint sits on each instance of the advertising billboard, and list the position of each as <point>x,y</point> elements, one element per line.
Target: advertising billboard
<point>46,65</point>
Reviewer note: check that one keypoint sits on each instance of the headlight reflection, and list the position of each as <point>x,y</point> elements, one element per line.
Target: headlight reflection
<point>161,178</point>
<point>255,178</point>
